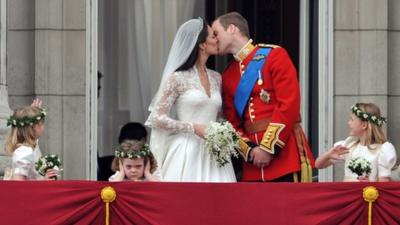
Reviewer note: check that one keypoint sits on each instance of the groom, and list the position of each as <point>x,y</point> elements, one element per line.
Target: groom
<point>261,98</point>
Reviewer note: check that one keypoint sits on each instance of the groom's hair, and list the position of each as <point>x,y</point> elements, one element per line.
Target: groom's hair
<point>236,19</point>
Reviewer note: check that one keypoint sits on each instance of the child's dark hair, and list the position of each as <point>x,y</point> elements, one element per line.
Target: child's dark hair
<point>193,56</point>
<point>132,131</point>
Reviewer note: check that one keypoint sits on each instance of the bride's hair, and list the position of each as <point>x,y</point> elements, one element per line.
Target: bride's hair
<point>193,55</point>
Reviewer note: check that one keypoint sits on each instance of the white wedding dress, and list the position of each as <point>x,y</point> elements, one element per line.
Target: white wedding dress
<point>182,156</point>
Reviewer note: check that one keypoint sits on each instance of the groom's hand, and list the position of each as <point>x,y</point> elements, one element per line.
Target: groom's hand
<point>260,158</point>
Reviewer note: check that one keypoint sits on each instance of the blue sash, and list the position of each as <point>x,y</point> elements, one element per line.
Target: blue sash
<point>248,79</point>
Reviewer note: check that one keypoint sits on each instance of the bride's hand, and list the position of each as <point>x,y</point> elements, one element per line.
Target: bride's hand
<point>199,130</point>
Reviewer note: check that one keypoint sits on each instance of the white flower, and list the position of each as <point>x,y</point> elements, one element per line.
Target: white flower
<point>48,162</point>
<point>221,141</point>
<point>359,166</point>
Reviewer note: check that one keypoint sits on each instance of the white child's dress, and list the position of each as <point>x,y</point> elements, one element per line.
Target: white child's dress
<point>381,156</point>
<point>23,162</point>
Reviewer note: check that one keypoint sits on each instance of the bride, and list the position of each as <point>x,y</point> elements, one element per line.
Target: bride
<point>187,100</point>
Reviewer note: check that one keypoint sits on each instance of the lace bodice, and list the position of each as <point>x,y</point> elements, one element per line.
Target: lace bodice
<point>184,101</point>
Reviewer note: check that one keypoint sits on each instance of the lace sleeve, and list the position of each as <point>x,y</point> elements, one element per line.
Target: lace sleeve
<point>160,117</point>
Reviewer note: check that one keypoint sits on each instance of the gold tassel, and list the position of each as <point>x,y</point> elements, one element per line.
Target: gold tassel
<point>370,194</point>
<point>305,165</point>
<point>108,195</point>
<point>306,170</point>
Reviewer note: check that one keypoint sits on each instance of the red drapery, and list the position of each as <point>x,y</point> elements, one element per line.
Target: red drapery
<point>79,202</point>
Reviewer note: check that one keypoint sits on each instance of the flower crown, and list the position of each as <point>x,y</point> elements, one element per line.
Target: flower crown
<point>133,154</point>
<point>378,120</point>
<point>26,120</point>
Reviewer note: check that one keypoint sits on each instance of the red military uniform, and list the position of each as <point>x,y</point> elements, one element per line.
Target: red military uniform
<point>271,114</point>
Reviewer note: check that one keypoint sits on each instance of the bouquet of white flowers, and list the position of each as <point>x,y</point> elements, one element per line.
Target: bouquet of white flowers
<point>360,166</point>
<point>221,141</point>
<point>46,162</point>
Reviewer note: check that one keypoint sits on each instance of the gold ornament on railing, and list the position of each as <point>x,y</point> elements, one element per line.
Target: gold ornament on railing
<point>370,194</point>
<point>108,195</point>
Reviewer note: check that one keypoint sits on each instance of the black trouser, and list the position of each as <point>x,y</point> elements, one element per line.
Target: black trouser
<point>284,178</point>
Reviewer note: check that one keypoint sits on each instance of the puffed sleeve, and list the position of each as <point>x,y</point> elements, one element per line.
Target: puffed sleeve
<point>387,159</point>
<point>112,177</point>
<point>23,161</point>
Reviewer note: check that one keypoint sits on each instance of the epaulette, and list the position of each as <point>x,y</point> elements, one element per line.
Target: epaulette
<point>261,45</point>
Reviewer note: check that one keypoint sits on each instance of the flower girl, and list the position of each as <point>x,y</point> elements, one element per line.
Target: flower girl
<point>367,154</point>
<point>133,162</point>
<point>27,125</point>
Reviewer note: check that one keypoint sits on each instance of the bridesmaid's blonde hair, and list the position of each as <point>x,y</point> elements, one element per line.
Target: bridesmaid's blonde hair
<point>375,133</point>
<point>22,135</point>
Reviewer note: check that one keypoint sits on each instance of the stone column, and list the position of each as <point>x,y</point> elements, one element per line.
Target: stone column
<point>394,74</point>
<point>4,107</point>
<point>17,62</point>
<point>60,77</point>
<point>361,60</point>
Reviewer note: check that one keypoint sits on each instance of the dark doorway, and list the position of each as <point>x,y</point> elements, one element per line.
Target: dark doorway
<point>270,21</point>
<point>277,22</point>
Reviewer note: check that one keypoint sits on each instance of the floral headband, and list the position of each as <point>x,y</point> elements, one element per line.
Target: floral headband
<point>134,154</point>
<point>26,121</point>
<point>378,120</point>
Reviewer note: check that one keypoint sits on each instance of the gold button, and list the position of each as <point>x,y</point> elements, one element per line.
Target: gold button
<point>251,110</point>
<point>251,104</point>
<point>242,66</point>
<point>253,117</point>
<point>251,98</point>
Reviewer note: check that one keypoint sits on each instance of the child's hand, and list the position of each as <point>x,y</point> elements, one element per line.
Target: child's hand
<point>51,174</point>
<point>363,178</point>
<point>337,152</point>
<point>121,174</point>
<point>147,169</point>
<point>147,173</point>
<point>37,102</point>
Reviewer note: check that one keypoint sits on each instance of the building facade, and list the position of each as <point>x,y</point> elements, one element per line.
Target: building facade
<point>52,49</point>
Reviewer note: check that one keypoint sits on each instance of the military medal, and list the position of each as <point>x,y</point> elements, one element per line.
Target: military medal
<point>260,80</point>
<point>265,96</point>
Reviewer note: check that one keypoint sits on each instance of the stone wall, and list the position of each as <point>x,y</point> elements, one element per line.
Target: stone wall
<point>46,58</point>
<point>367,42</point>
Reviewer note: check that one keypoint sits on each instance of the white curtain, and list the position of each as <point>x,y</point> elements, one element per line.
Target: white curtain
<point>134,40</point>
